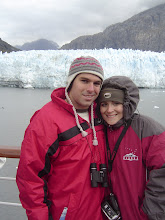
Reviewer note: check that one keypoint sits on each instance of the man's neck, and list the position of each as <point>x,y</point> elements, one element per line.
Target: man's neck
<point>81,110</point>
<point>83,113</point>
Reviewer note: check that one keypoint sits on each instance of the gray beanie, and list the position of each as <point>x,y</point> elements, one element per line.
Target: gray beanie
<point>111,94</point>
<point>84,64</point>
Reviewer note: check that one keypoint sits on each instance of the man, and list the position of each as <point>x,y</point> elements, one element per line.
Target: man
<point>60,143</point>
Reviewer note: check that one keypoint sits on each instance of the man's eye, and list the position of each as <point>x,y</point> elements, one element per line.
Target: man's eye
<point>97,84</point>
<point>84,81</point>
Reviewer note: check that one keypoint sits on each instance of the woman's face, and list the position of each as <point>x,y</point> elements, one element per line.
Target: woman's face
<point>111,112</point>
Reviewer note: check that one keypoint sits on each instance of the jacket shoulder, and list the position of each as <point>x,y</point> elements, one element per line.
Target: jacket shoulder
<point>145,126</point>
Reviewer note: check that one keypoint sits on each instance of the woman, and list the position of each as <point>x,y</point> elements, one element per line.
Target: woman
<point>139,149</point>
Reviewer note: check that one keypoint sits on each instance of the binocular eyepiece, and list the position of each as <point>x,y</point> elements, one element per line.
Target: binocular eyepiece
<point>98,176</point>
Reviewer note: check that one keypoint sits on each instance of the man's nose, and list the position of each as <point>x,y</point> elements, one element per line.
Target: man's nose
<point>90,87</point>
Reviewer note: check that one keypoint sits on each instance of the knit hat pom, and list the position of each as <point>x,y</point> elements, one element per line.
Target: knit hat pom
<point>95,142</point>
<point>84,133</point>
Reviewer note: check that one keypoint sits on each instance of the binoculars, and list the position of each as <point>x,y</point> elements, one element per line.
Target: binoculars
<point>98,176</point>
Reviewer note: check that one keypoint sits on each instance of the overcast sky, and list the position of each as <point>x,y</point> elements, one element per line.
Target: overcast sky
<point>61,21</point>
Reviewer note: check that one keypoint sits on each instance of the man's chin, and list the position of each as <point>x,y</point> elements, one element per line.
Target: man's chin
<point>86,105</point>
<point>88,102</point>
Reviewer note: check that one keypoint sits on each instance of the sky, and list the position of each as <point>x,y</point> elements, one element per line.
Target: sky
<point>62,21</point>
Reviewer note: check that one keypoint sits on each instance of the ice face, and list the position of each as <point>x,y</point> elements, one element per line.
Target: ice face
<point>49,69</point>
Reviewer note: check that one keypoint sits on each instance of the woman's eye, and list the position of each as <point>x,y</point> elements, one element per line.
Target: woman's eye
<point>103,104</point>
<point>115,103</point>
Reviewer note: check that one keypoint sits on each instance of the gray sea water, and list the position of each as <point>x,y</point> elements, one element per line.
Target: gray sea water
<point>16,108</point>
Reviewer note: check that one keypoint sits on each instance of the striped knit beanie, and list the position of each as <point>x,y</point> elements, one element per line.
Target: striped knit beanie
<point>84,64</point>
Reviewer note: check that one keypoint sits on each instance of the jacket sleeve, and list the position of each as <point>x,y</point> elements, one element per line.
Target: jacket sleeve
<point>154,200</point>
<point>31,184</point>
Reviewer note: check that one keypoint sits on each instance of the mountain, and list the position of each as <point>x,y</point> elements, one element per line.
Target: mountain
<point>41,44</point>
<point>5,47</point>
<point>144,31</point>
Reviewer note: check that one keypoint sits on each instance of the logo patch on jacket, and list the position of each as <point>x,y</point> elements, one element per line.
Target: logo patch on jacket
<point>130,157</point>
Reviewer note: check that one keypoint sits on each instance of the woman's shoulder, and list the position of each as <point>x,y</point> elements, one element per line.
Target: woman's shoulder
<point>146,125</point>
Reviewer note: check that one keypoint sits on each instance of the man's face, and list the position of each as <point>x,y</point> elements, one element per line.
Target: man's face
<point>85,89</point>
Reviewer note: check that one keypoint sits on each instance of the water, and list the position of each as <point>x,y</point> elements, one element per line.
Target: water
<point>16,108</point>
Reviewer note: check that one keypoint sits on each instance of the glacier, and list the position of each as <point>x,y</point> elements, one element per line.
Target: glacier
<point>49,68</point>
